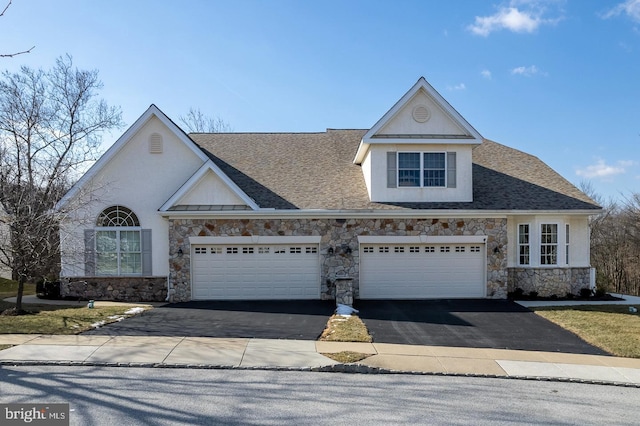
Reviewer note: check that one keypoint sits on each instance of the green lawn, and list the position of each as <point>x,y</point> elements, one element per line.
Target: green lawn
<point>610,327</point>
<point>57,319</point>
<point>53,319</point>
<point>9,288</point>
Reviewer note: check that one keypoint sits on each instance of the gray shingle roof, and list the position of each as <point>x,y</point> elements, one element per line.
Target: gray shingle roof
<point>315,171</point>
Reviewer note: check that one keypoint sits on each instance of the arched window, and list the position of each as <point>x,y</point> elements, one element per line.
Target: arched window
<point>117,216</point>
<point>118,245</point>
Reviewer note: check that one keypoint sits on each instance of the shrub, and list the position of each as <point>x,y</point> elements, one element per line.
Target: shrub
<point>585,293</point>
<point>600,292</point>
<point>533,294</point>
<point>48,289</point>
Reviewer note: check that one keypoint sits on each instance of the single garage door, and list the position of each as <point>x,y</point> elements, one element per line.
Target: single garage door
<point>422,271</point>
<point>255,272</point>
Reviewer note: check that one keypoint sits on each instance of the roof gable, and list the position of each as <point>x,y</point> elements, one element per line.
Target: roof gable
<point>421,116</point>
<point>210,187</point>
<point>151,113</point>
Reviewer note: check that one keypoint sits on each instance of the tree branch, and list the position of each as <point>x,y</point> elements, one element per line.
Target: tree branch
<point>11,55</point>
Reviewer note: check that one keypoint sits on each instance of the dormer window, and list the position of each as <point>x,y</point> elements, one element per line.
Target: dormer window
<point>422,169</point>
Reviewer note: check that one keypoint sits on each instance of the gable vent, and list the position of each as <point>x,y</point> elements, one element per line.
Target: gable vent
<point>421,114</point>
<point>155,143</point>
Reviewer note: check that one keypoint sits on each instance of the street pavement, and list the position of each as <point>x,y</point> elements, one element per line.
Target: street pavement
<point>249,353</point>
<point>208,352</point>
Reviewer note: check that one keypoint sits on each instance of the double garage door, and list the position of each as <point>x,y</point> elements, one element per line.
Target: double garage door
<point>255,272</point>
<point>422,271</point>
<point>292,271</point>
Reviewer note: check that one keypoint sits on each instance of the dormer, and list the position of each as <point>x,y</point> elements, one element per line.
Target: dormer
<point>419,151</point>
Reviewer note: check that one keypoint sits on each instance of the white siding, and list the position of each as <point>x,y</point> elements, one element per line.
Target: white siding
<point>439,123</point>
<point>579,247</point>
<point>139,180</point>
<point>377,182</point>
<point>211,190</point>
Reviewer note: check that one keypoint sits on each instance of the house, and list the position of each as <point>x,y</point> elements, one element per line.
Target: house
<point>418,206</point>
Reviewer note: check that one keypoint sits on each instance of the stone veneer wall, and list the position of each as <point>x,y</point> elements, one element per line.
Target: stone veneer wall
<point>125,289</point>
<point>549,281</point>
<point>337,233</point>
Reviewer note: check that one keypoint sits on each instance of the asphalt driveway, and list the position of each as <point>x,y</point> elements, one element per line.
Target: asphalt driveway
<point>479,323</point>
<point>296,319</point>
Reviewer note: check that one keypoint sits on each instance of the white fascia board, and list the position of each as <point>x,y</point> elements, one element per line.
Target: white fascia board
<point>424,141</point>
<point>422,239</point>
<point>195,178</point>
<point>368,138</point>
<point>152,111</point>
<point>366,214</point>
<point>257,239</point>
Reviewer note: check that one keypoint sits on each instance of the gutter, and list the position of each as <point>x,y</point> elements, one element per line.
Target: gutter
<point>378,214</point>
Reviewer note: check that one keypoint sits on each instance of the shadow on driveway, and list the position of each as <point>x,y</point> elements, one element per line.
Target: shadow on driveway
<point>478,323</point>
<point>294,319</point>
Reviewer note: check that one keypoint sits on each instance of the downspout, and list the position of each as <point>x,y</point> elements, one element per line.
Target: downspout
<point>168,289</point>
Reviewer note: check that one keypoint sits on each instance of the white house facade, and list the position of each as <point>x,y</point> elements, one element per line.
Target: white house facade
<point>419,206</point>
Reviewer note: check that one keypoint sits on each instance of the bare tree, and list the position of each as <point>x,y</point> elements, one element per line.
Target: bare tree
<point>615,243</point>
<point>11,55</point>
<point>197,122</point>
<point>51,124</point>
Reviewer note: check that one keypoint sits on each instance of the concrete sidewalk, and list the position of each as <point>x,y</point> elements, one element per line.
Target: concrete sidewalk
<point>307,354</point>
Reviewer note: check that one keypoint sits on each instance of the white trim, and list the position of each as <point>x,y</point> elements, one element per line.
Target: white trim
<point>356,214</point>
<point>557,244</point>
<point>152,111</point>
<point>199,174</point>
<point>475,138</point>
<point>518,225</point>
<point>257,239</point>
<point>422,239</point>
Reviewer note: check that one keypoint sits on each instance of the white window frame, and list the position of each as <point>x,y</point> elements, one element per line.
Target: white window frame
<point>549,245</point>
<point>522,245</point>
<point>422,169</point>
<point>567,232</point>
<point>118,253</point>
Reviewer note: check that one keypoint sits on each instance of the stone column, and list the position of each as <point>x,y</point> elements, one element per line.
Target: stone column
<point>344,291</point>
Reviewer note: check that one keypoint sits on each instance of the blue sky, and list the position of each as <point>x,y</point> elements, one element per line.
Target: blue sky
<point>559,79</point>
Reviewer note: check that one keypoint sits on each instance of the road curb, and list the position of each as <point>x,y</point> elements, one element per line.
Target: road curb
<point>336,368</point>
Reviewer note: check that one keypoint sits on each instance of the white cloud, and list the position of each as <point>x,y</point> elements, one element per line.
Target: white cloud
<point>460,86</point>
<point>518,16</point>
<point>631,8</point>
<point>603,170</point>
<point>486,74</point>
<point>527,71</point>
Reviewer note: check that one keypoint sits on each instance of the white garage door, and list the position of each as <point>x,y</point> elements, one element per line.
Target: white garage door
<point>422,271</point>
<point>255,272</point>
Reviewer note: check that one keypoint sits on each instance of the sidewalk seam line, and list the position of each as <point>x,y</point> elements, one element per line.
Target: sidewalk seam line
<point>173,349</point>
